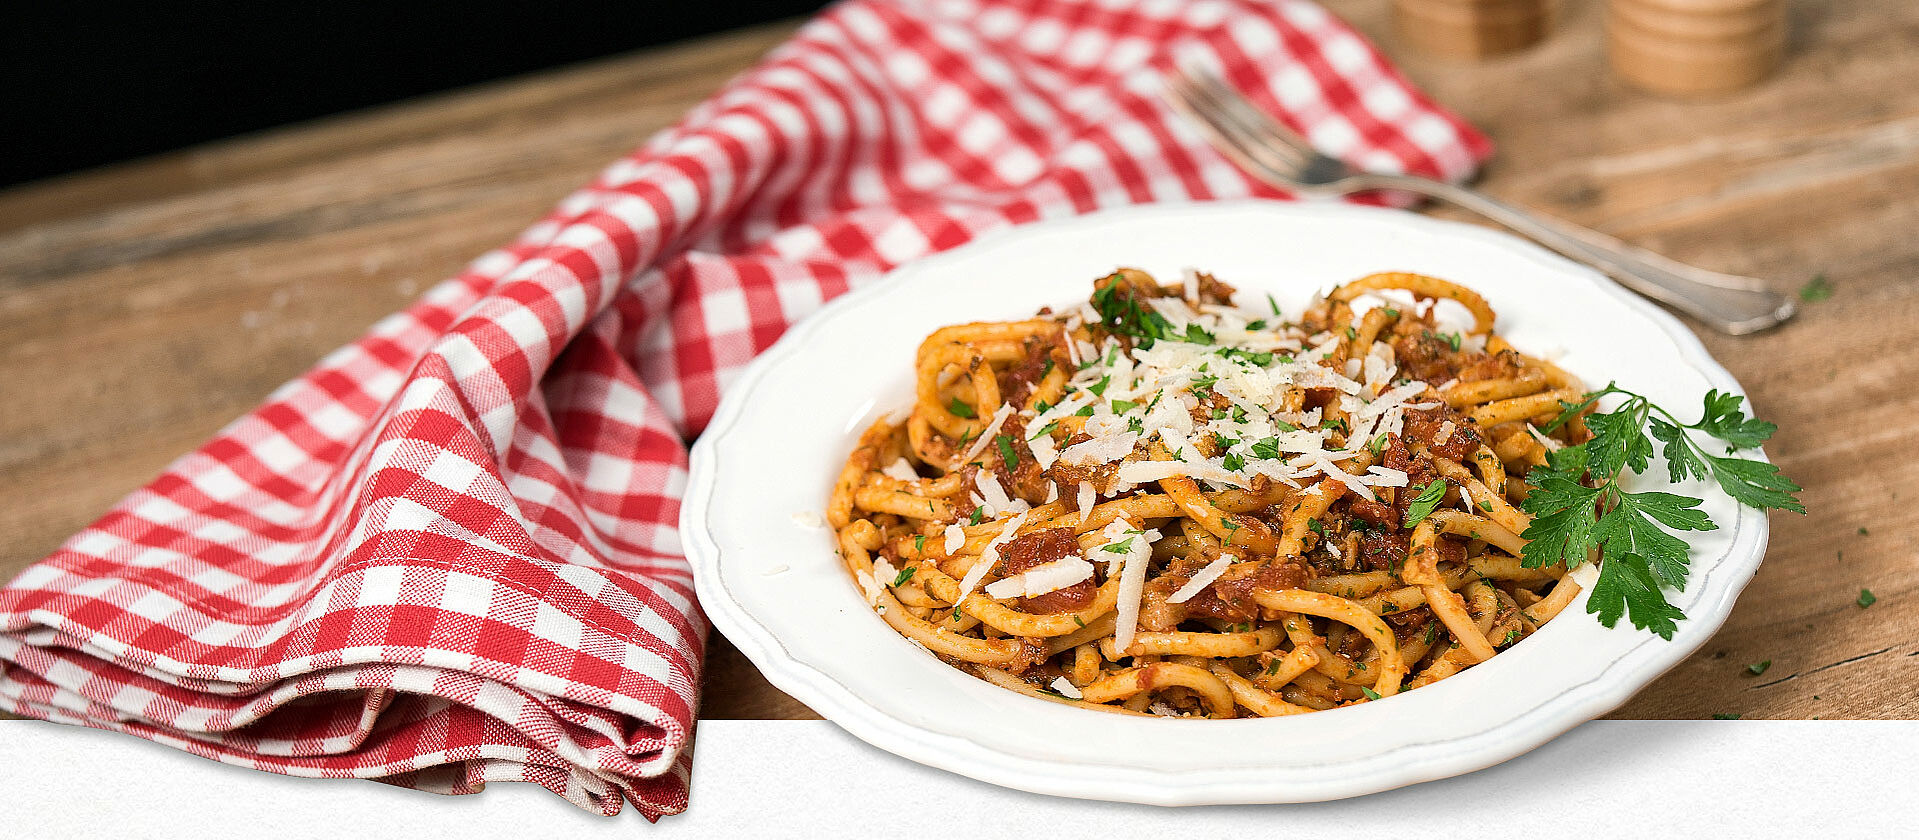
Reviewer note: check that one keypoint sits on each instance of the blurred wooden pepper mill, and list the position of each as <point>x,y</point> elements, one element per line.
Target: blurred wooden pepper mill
<point>1469,29</point>
<point>1692,48</point>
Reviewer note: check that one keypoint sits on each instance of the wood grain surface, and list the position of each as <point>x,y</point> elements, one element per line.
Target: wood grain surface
<point>144,306</point>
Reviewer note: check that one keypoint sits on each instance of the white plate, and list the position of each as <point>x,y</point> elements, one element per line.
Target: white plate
<point>778,592</point>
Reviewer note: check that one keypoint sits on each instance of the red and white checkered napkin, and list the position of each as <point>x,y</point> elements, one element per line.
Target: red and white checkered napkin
<point>448,554</point>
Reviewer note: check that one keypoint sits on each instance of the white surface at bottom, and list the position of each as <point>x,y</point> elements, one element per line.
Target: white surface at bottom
<point>1611,779</point>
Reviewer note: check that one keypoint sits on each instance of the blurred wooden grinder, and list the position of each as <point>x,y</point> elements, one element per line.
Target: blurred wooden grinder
<point>1469,29</point>
<point>1692,48</point>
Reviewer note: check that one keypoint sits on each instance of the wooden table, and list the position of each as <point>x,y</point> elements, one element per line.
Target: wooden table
<point>143,306</point>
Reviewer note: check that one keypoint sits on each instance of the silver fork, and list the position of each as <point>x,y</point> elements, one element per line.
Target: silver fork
<point>1272,153</point>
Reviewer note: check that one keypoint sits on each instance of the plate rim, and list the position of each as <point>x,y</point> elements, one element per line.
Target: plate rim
<point>1500,742</point>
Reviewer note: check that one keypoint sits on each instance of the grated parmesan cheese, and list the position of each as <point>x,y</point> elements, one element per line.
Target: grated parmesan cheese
<point>1086,500</point>
<point>989,557</point>
<point>1100,450</point>
<point>1132,581</point>
<point>1067,689</point>
<point>901,470</point>
<point>1004,411</point>
<point>1041,579</point>
<point>1202,579</point>
<point>955,538</point>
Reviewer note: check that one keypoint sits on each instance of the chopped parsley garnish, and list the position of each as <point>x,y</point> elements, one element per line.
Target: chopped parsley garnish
<point>1006,454</point>
<point>1041,407</point>
<point>1284,426</point>
<point>1484,505</point>
<point>1123,406</point>
<point>1424,503</point>
<point>1377,444</point>
<point>1045,430</point>
<point>1272,667</point>
<point>1316,526</point>
<point>1223,442</point>
<point>1816,289</point>
<point>1135,424</point>
<point>1239,416</point>
<point>1866,599</point>
<point>1432,632</point>
<point>1203,385</point>
<point>1076,620</point>
<point>1272,303</point>
<point>1228,523</point>
<point>1196,334</point>
<point>1391,312</point>
<point>1099,388</point>
<point>961,409</point>
<point>1630,529</point>
<point>1086,411</point>
<point>1047,368</point>
<point>1121,547</point>
<point>1352,334</point>
<point>979,514</point>
<point>1370,694</point>
<point>1233,461</point>
<point>1862,530</point>
<point>1451,339</point>
<point>1257,325</point>
<point>919,547</point>
<point>1267,449</point>
<point>906,574</point>
<point>1123,314</point>
<point>1758,668</point>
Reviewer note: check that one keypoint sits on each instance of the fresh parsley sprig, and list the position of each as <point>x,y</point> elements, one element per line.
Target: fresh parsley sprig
<point>1578,504</point>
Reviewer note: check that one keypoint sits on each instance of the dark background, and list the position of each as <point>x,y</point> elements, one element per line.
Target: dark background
<point>87,83</point>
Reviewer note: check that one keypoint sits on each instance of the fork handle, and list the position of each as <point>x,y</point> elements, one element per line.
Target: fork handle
<point>1730,303</point>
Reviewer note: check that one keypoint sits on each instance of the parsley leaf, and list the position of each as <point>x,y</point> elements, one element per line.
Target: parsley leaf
<point>1123,314</point>
<point>979,513</point>
<point>1370,694</point>
<point>1816,289</point>
<point>961,409</point>
<point>1045,430</point>
<point>1866,599</point>
<point>1722,419</point>
<point>1626,586</point>
<point>906,574</point>
<point>1196,334</point>
<point>1758,668</point>
<point>1267,449</point>
<point>1121,547</point>
<point>1123,406</point>
<point>1006,454</point>
<point>1424,503</point>
<point>1099,388</point>
<point>1579,505</point>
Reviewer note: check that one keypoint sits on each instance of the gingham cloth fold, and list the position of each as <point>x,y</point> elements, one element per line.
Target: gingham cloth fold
<point>447,555</point>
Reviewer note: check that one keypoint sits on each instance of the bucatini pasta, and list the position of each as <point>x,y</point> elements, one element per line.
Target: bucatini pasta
<point>1159,503</point>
